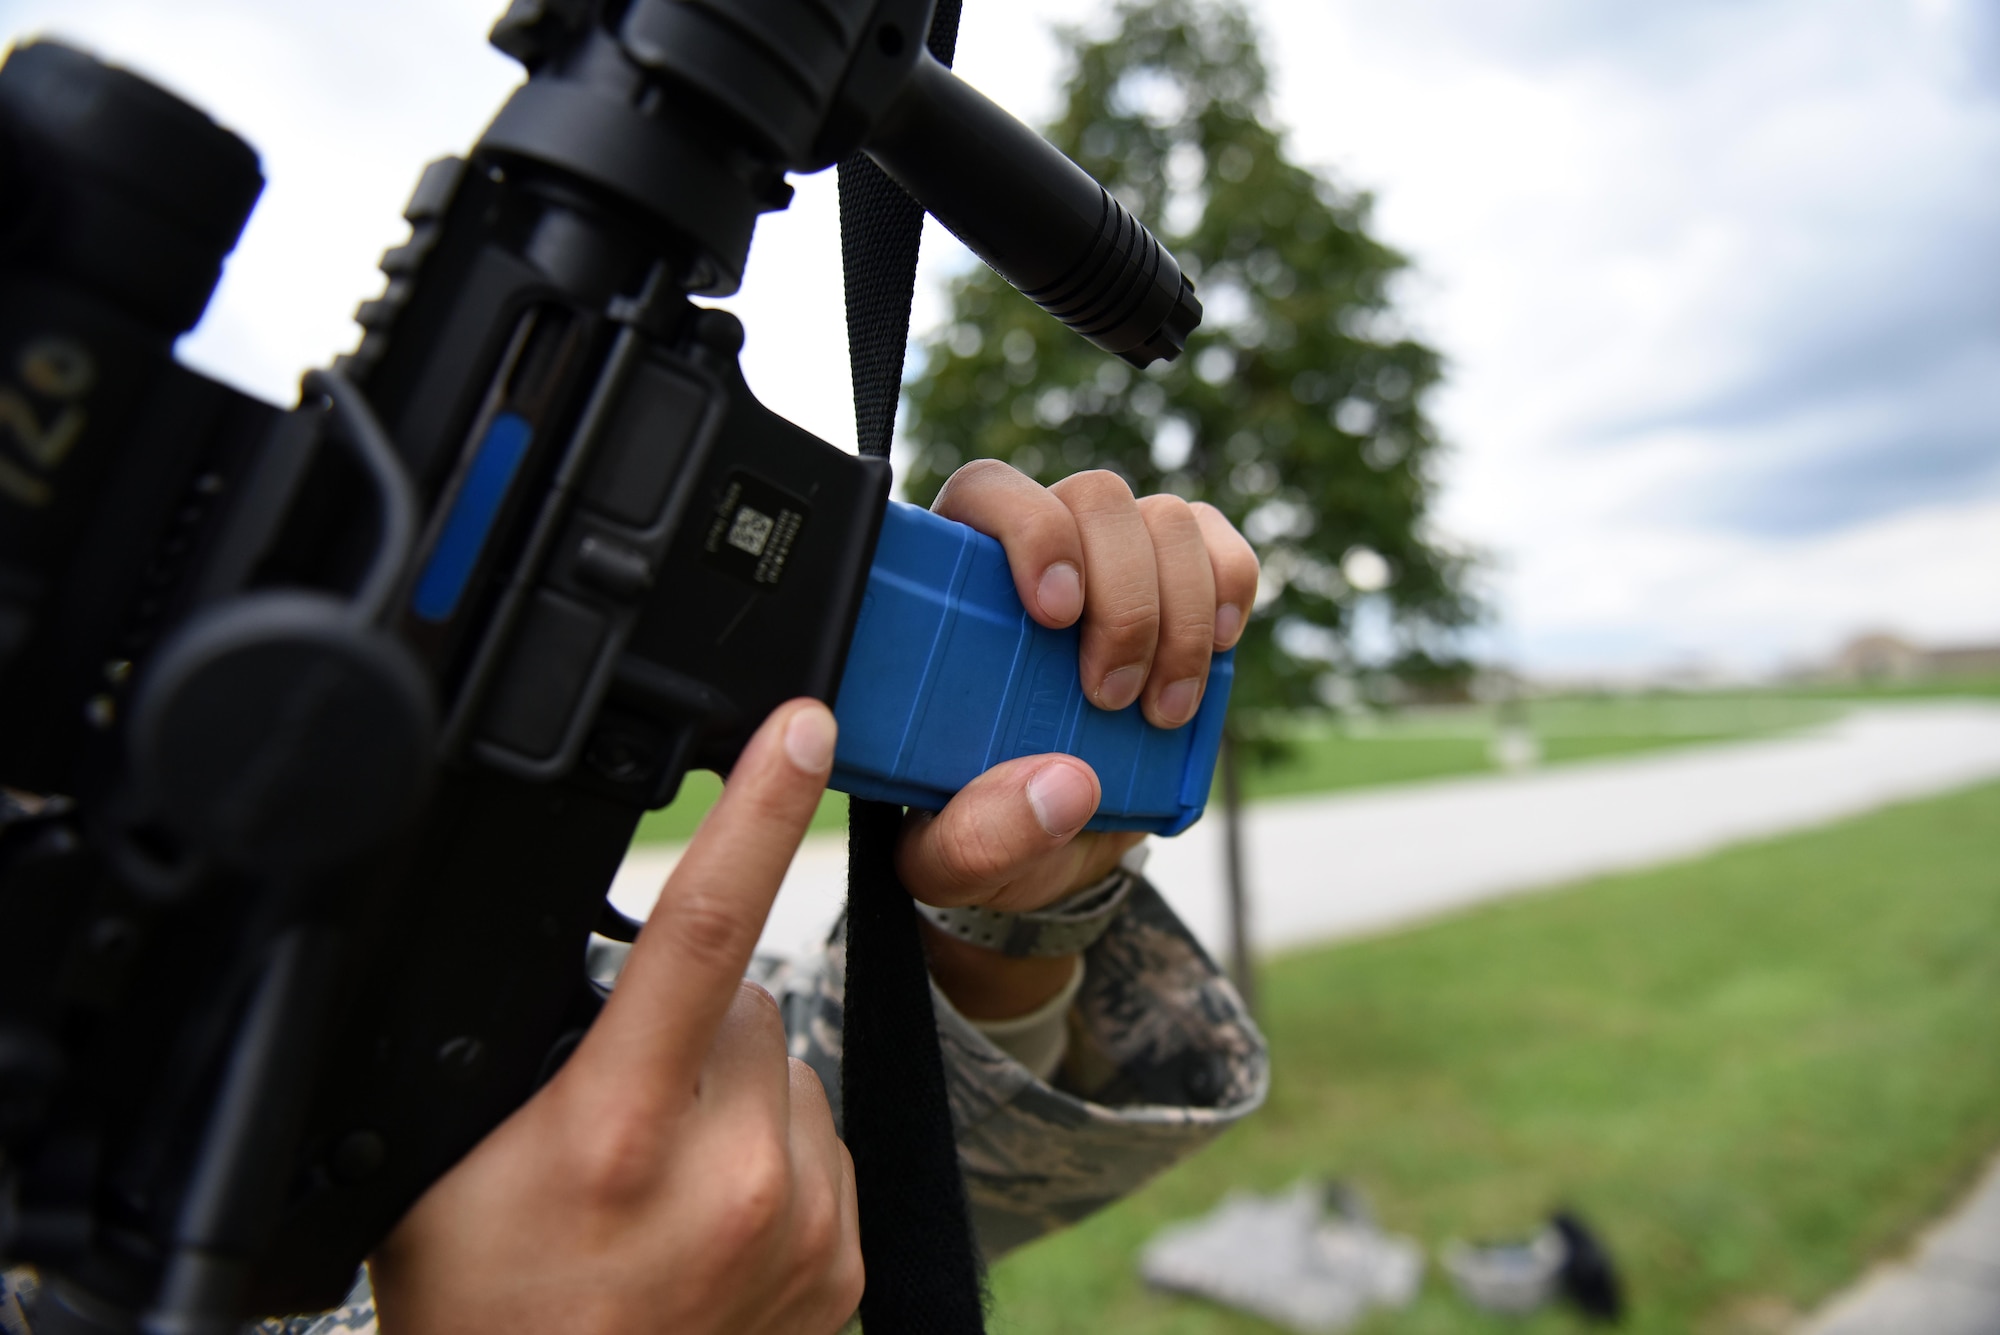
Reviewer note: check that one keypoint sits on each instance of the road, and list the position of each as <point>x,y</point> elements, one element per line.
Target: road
<point>1351,863</point>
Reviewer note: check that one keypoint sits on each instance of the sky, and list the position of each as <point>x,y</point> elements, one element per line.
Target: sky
<point>1718,283</point>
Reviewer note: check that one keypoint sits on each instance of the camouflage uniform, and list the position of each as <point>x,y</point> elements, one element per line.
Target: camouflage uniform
<point>17,1290</point>
<point>1162,1057</point>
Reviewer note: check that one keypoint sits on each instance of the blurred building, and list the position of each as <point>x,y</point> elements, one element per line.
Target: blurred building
<point>1884,657</point>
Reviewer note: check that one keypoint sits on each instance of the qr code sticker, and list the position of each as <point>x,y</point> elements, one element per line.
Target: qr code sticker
<point>751,531</point>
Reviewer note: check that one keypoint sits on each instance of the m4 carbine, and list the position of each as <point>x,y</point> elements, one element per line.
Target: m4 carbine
<point>323,731</point>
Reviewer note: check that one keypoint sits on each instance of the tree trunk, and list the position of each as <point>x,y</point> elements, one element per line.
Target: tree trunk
<point>1241,969</point>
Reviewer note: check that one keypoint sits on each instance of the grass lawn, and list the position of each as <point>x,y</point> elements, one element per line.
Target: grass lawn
<point>1419,744</point>
<point>1927,688</point>
<point>1754,1073</point>
<point>699,790</point>
<point>1438,743</point>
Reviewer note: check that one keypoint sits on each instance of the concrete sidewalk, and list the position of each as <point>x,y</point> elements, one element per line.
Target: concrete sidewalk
<point>1350,863</point>
<point>1347,864</point>
<point>1949,1284</point>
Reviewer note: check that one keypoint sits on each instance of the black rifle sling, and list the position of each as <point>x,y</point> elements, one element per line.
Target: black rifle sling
<point>916,1236</point>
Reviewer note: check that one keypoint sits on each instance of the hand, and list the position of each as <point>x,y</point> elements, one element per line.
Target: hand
<point>1160,585</point>
<point>680,1172</point>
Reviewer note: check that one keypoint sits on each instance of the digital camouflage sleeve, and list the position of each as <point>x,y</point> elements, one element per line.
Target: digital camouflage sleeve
<point>1162,1057</point>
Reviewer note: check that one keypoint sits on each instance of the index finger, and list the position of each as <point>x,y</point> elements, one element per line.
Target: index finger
<point>1044,550</point>
<point>684,969</point>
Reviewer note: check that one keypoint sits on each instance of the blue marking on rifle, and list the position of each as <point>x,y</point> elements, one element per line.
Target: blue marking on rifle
<point>477,505</point>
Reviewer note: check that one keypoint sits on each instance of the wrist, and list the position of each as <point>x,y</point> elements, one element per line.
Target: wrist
<point>998,966</point>
<point>984,984</point>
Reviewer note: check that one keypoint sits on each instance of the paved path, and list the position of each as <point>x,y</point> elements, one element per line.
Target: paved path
<point>1949,1284</point>
<point>1346,864</point>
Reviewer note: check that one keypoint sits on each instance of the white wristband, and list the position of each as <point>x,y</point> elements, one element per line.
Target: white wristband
<point>1038,1039</point>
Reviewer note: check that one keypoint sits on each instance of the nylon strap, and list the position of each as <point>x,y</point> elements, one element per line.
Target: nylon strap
<point>924,1275</point>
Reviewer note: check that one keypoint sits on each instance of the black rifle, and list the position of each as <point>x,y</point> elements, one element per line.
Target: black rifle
<point>323,731</point>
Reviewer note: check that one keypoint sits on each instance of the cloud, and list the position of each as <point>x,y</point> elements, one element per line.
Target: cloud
<point>1611,597</point>
<point>1716,280</point>
<point>1862,372</point>
<point>1841,454</point>
<point>1549,35</point>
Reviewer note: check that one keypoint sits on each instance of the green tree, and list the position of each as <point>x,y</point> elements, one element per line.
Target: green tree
<point>1297,409</point>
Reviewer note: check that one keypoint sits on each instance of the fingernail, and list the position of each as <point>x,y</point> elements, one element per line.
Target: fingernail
<point>1060,593</point>
<point>1177,701</point>
<point>1121,688</point>
<point>809,739</point>
<point>1062,797</point>
<point>1228,621</point>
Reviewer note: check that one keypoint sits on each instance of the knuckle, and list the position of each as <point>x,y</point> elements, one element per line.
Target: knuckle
<point>1050,527</point>
<point>756,994</point>
<point>1131,619</point>
<point>1203,510</point>
<point>846,1280</point>
<point>615,1160</point>
<point>1188,633</point>
<point>773,801</point>
<point>973,476</point>
<point>809,1100</point>
<point>1243,581</point>
<point>1099,488</point>
<point>759,1200</point>
<point>986,468</point>
<point>763,1006</point>
<point>816,1230</point>
<point>709,932</point>
<point>1234,559</point>
<point>1168,510</point>
<point>1240,554</point>
<point>800,1069</point>
<point>974,853</point>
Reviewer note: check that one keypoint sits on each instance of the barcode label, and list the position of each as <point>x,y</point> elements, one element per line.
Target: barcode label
<point>751,531</point>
